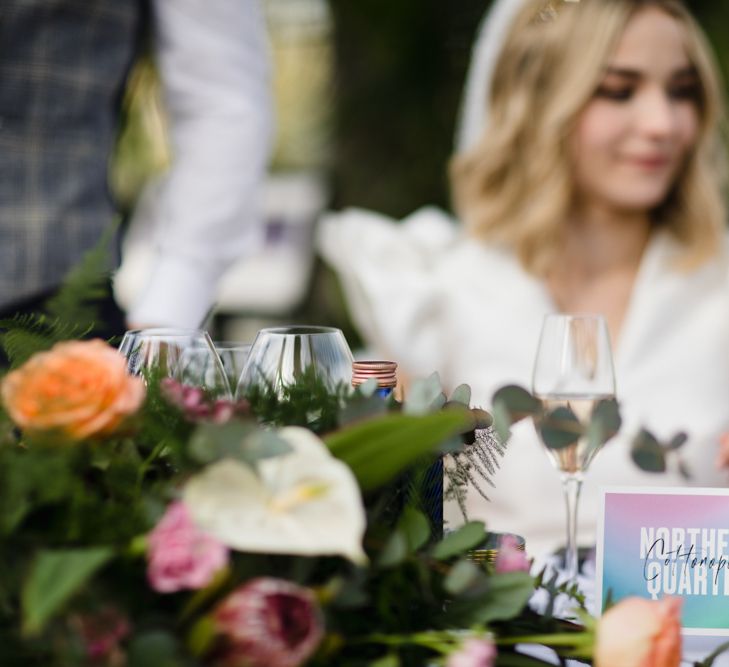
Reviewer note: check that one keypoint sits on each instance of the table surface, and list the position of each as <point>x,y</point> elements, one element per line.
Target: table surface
<point>694,648</point>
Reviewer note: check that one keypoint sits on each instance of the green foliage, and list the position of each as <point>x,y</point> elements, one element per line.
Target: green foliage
<point>53,578</point>
<point>307,402</point>
<point>69,314</point>
<point>378,449</point>
<point>85,283</point>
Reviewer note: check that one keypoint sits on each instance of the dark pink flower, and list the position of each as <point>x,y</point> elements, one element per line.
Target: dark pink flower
<point>197,406</point>
<point>474,653</point>
<point>269,623</point>
<point>102,633</point>
<point>510,557</point>
<point>180,555</point>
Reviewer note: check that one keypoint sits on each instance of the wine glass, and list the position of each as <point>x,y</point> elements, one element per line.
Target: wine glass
<point>233,356</point>
<point>280,356</point>
<point>185,355</point>
<point>574,369</point>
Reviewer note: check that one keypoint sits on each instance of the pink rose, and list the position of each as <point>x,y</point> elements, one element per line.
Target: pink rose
<point>510,558</point>
<point>474,653</point>
<point>269,623</point>
<point>640,633</point>
<point>180,555</point>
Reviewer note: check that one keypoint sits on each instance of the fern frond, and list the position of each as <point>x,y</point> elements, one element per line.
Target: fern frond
<point>472,467</point>
<point>34,332</point>
<point>84,283</point>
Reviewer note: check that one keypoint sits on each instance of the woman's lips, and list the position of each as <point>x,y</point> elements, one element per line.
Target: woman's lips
<point>649,161</point>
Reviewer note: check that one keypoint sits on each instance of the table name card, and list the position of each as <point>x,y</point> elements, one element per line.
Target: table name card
<point>655,542</point>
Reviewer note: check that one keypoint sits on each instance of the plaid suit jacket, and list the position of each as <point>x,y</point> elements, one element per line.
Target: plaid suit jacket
<point>63,67</point>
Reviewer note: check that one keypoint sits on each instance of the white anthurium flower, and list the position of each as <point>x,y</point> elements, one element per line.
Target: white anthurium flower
<point>305,502</point>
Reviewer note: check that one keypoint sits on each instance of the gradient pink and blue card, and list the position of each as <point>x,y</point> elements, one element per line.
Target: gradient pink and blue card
<point>657,542</point>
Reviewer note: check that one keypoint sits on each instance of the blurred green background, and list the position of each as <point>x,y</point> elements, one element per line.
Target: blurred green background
<point>367,96</point>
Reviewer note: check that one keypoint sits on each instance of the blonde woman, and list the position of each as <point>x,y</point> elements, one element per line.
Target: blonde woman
<point>595,187</point>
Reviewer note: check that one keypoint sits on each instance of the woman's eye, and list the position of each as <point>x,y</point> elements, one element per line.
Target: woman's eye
<point>617,93</point>
<point>685,92</point>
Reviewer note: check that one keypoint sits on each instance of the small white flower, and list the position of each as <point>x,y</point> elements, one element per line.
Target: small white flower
<point>305,502</point>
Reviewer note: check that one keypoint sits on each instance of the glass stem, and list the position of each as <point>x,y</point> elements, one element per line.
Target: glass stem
<point>571,486</point>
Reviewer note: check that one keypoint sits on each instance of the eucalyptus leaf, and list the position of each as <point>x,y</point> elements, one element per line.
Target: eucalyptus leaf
<point>518,402</point>
<point>560,428</point>
<point>468,536</point>
<point>53,578</point>
<point>422,395</point>
<point>677,441</point>
<point>606,413</point>
<point>461,394</point>
<point>461,577</point>
<point>684,470</point>
<point>238,440</point>
<point>395,550</point>
<point>364,408</point>
<point>507,595</point>
<point>647,452</point>
<point>368,387</point>
<point>415,527</point>
<point>502,421</point>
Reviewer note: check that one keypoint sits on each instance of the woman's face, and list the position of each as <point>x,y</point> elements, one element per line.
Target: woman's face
<point>633,136</point>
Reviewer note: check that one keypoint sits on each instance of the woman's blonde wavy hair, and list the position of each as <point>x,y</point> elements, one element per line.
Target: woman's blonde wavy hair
<point>515,186</point>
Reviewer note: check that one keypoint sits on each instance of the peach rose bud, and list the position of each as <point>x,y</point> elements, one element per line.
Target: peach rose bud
<point>640,633</point>
<point>77,389</point>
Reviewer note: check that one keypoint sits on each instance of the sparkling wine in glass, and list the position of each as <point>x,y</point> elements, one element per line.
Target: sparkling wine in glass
<point>573,369</point>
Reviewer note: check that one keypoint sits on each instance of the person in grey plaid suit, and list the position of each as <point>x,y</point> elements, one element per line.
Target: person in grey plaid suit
<point>63,69</point>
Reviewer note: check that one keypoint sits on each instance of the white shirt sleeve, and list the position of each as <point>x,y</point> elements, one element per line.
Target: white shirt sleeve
<point>213,61</point>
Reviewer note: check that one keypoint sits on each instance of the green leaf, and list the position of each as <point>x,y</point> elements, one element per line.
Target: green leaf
<point>560,428</point>
<point>237,440</point>
<point>84,284</point>
<point>462,575</point>
<point>507,595</point>
<point>502,421</point>
<point>153,649</point>
<point>390,660</point>
<point>415,527</point>
<point>53,579</point>
<point>380,448</point>
<point>518,402</point>
<point>605,422</point>
<point>395,550</point>
<point>677,441</point>
<point>461,394</point>
<point>468,536</point>
<point>647,452</point>
<point>422,396</point>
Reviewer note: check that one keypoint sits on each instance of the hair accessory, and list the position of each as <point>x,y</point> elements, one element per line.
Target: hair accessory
<point>550,9</point>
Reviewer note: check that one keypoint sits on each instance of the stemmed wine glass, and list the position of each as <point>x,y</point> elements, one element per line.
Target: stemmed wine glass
<point>574,369</point>
<point>280,356</point>
<point>233,355</point>
<point>185,355</point>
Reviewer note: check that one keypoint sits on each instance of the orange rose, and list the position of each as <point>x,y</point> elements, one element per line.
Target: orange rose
<point>640,633</point>
<point>77,389</point>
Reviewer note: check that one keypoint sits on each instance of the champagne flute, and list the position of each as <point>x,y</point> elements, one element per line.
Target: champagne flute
<point>574,369</point>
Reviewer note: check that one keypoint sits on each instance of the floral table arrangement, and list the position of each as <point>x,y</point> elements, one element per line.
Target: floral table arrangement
<point>145,523</point>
